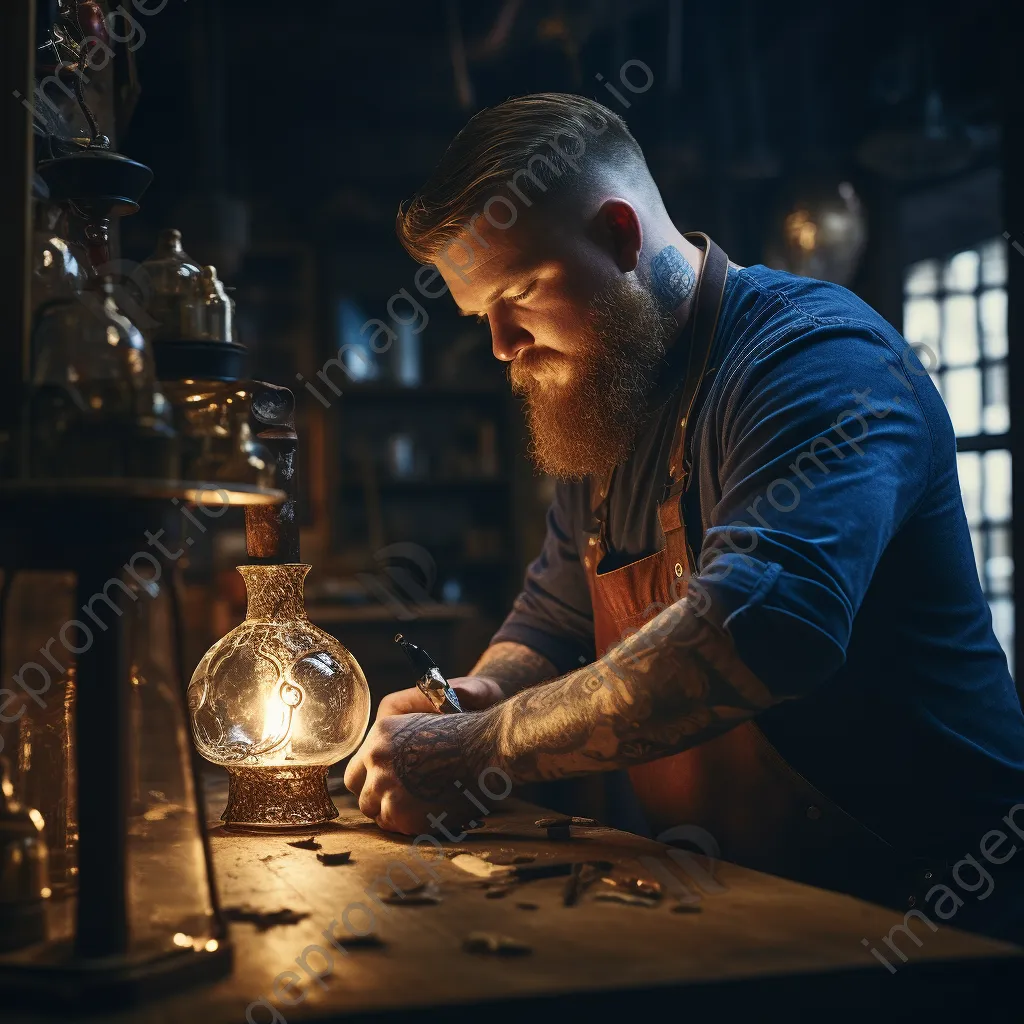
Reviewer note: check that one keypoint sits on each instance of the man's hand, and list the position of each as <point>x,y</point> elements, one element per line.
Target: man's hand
<point>372,777</point>
<point>407,767</point>
<point>475,693</point>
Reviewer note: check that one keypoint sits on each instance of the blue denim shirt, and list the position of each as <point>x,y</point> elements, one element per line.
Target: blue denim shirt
<point>834,548</point>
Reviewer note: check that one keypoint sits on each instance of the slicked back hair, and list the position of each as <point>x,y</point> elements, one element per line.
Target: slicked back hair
<point>509,158</point>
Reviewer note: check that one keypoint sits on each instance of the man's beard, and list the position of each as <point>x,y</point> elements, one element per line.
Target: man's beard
<point>589,424</point>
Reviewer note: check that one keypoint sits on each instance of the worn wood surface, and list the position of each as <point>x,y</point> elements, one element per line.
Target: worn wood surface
<point>756,941</point>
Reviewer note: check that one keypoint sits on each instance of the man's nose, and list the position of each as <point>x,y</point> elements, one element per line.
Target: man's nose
<point>508,339</point>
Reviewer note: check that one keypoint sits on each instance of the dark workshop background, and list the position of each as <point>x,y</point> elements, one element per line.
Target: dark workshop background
<point>284,136</point>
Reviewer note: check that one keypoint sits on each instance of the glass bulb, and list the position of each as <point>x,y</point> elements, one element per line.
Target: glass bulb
<point>277,701</point>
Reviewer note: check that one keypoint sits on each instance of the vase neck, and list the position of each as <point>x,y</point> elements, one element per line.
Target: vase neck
<point>274,591</point>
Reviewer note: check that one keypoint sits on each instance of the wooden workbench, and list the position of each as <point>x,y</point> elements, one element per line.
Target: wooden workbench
<point>756,942</point>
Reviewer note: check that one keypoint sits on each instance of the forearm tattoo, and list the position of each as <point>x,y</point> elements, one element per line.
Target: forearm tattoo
<point>513,666</point>
<point>675,683</point>
<point>431,752</point>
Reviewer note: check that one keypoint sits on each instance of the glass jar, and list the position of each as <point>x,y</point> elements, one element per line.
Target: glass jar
<point>276,702</point>
<point>95,407</point>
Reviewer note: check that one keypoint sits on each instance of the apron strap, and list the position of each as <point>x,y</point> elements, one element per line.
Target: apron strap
<point>706,308</point>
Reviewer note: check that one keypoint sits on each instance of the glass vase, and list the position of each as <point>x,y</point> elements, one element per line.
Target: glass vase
<point>276,702</point>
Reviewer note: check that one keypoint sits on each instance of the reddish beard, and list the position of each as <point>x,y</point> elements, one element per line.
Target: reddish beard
<point>585,419</point>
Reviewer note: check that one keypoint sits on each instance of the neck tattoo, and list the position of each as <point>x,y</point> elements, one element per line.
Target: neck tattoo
<point>672,278</point>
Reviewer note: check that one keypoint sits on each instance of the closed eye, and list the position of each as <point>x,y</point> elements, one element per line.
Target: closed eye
<point>524,293</point>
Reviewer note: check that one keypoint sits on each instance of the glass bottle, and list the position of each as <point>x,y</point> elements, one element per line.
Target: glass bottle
<point>277,701</point>
<point>169,283</point>
<point>218,307</point>
<point>95,408</point>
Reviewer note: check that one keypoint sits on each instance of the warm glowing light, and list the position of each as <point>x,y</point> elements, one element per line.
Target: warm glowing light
<point>47,258</point>
<point>801,230</point>
<point>181,939</point>
<point>277,696</point>
<point>46,892</point>
<point>37,819</point>
<point>112,336</point>
<point>212,946</point>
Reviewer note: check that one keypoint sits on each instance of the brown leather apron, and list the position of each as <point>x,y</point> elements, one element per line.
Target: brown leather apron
<point>760,812</point>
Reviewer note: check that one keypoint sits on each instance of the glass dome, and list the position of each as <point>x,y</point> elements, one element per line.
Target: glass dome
<point>96,408</point>
<point>276,701</point>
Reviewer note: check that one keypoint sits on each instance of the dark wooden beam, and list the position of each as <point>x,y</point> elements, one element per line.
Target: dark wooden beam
<point>17,74</point>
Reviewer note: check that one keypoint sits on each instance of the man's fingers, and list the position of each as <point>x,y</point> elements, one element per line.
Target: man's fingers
<point>369,803</point>
<point>385,814</point>
<point>404,702</point>
<point>355,773</point>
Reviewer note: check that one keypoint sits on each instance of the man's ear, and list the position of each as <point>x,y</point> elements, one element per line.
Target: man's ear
<point>619,226</point>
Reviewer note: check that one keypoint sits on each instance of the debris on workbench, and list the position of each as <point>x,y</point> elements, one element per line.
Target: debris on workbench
<point>506,858</point>
<point>557,828</point>
<point>422,894</point>
<point>306,844</point>
<point>330,860</point>
<point>458,852</point>
<point>369,941</point>
<point>478,866</point>
<point>582,877</point>
<point>497,892</point>
<point>571,890</point>
<point>529,872</point>
<point>614,896</point>
<point>263,920</point>
<point>643,887</point>
<point>493,943</point>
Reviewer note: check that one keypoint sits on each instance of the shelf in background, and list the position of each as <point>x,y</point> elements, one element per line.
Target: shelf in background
<point>436,612</point>
<point>427,392</point>
<point>427,483</point>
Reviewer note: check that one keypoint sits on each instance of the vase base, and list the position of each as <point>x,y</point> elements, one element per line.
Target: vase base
<point>263,799</point>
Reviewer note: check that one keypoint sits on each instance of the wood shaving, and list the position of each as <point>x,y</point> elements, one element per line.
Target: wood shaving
<point>625,897</point>
<point>422,895</point>
<point>331,860</point>
<point>306,844</point>
<point>495,944</point>
<point>477,866</point>
<point>264,920</point>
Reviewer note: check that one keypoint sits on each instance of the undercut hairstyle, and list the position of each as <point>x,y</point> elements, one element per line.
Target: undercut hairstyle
<point>511,158</point>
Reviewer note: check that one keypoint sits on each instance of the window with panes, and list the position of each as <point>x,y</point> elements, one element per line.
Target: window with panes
<point>954,314</point>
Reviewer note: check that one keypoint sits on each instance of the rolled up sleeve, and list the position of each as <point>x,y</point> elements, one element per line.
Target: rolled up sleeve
<point>825,452</point>
<point>552,614</point>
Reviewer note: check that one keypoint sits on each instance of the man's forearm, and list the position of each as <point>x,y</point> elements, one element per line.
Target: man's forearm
<point>675,683</point>
<point>513,666</point>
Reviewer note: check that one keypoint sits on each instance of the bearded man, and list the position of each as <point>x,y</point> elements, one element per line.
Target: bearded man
<point>757,532</point>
